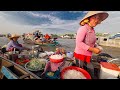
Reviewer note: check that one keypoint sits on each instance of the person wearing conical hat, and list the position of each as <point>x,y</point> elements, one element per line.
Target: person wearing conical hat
<point>14,43</point>
<point>86,39</point>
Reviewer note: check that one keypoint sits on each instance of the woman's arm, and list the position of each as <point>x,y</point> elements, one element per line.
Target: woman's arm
<point>16,46</point>
<point>80,38</point>
<point>98,46</point>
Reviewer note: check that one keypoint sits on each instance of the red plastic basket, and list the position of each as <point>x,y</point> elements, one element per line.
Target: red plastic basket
<point>84,72</point>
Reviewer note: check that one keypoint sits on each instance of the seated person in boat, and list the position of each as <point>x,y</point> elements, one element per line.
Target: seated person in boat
<point>37,35</point>
<point>54,40</point>
<point>14,44</point>
<point>43,40</point>
<point>40,40</point>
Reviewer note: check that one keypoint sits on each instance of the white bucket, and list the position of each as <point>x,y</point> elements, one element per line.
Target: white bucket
<point>108,73</point>
<point>111,78</point>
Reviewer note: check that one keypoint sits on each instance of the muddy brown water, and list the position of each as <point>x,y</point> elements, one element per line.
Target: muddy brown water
<point>69,45</point>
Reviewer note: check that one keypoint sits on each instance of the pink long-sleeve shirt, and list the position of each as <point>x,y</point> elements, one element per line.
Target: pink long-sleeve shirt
<point>85,38</point>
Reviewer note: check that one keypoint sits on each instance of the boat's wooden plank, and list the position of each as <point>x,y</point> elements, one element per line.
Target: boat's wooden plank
<point>19,69</point>
<point>8,74</point>
<point>1,75</point>
<point>0,63</point>
<point>25,76</point>
<point>22,71</point>
<point>7,63</point>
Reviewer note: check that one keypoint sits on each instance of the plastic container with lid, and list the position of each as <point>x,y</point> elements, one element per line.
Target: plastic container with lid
<point>109,70</point>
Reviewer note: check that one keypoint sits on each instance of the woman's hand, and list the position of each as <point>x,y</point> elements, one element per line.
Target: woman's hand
<point>100,48</point>
<point>94,50</point>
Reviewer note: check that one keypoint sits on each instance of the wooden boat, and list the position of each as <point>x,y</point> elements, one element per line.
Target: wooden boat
<point>11,70</point>
<point>29,41</point>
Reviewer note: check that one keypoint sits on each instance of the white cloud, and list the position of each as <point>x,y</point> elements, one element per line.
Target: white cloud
<point>53,19</point>
<point>78,11</point>
<point>8,27</point>
<point>56,22</point>
<point>111,24</point>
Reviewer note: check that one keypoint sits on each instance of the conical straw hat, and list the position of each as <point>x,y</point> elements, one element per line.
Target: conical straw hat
<point>103,15</point>
<point>14,35</point>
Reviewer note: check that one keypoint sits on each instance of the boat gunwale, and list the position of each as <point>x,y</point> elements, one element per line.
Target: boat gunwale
<point>33,75</point>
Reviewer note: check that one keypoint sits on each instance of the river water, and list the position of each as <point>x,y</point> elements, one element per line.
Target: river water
<point>69,45</point>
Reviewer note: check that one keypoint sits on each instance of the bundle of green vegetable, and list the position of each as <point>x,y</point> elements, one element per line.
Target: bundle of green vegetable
<point>35,65</point>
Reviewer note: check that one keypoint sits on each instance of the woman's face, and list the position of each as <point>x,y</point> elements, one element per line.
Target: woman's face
<point>94,20</point>
<point>15,38</point>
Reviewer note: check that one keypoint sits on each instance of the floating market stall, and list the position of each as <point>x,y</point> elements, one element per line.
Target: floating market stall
<point>58,64</point>
<point>29,41</point>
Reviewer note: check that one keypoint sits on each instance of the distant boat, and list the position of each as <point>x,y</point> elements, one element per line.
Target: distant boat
<point>115,36</point>
<point>1,35</point>
<point>30,41</point>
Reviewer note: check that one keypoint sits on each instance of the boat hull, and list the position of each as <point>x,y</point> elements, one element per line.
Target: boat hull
<point>18,70</point>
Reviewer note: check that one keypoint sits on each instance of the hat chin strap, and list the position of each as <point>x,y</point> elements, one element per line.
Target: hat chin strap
<point>90,25</point>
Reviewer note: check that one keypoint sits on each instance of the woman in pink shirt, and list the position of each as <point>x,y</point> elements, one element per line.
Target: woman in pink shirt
<point>86,39</point>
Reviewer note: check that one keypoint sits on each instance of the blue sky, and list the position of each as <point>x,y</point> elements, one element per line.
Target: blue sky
<point>57,22</point>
